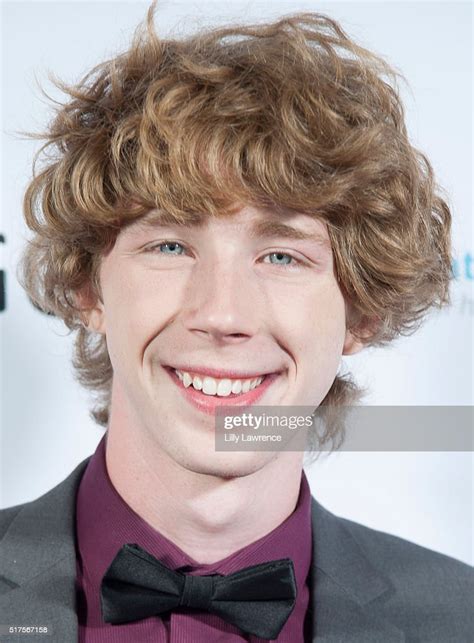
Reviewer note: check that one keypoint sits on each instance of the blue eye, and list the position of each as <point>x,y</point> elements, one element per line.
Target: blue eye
<point>173,245</point>
<point>283,259</point>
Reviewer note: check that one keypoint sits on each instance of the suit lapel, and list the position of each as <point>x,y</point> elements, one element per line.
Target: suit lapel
<point>38,565</point>
<point>344,587</point>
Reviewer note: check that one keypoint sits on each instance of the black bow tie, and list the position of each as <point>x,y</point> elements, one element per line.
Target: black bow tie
<point>258,599</point>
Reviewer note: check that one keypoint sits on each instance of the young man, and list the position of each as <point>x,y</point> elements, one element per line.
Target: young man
<point>224,219</point>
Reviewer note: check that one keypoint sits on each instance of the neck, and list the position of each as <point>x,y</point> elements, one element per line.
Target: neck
<point>207,516</point>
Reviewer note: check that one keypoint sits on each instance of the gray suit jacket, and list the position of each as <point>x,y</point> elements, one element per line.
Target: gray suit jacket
<point>367,586</point>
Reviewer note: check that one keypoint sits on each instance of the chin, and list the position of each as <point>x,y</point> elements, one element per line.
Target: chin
<point>227,465</point>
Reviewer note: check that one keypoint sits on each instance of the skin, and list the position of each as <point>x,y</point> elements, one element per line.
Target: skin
<point>219,300</point>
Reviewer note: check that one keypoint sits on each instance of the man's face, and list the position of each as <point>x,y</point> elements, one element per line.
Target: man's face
<point>225,297</point>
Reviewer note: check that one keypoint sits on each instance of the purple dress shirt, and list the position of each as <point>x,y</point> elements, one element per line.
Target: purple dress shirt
<point>105,522</point>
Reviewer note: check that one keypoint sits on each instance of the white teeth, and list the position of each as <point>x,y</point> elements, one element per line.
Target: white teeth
<point>209,386</point>
<point>222,388</point>
<point>236,386</point>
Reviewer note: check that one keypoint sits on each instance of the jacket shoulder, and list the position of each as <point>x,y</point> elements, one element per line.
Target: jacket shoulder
<point>48,503</point>
<point>432,593</point>
<point>389,552</point>
<point>7,516</point>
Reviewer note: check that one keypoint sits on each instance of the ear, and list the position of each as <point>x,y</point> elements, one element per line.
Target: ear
<point>93,312</point>
<point>351,344</point>
<point>365,330</point>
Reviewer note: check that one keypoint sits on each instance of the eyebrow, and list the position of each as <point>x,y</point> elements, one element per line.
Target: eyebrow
<point>267,228</point>
<point>263,229</point>
<point>156,219</point>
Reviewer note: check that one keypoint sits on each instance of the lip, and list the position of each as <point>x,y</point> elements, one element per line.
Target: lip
<point>209,403</point>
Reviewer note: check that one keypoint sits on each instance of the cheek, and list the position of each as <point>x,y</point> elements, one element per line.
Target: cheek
<point>315,333</point>
<point>138,306</point>
<point>313,318</point>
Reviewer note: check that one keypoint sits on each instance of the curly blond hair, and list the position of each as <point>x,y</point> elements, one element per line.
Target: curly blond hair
<point>291,113</point>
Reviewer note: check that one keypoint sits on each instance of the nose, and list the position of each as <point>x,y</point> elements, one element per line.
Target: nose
<point>223,302</point>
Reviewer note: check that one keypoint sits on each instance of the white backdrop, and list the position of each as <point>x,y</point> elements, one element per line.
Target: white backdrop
<point>46,430</point>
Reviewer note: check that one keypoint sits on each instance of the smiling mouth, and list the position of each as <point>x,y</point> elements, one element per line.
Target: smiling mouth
<point>218,387</point>
<point>207,394</point>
